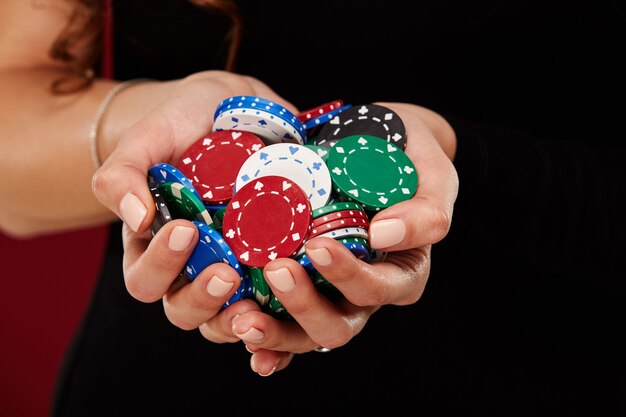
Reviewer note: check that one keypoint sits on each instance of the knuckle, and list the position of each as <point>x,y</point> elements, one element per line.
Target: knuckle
<point>339,338</point>
<point>440,221</point>
<point>139,292</point>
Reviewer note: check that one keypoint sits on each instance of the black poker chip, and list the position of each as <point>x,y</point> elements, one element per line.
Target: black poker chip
<point>163,214</point>
<point>365,119</point>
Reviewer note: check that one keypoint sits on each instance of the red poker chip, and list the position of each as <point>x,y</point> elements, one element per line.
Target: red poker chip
<point>340,224</point>
<point>267,218</point>
<point>338,215</point>
<point>307,115</point>
<point>213,161</point>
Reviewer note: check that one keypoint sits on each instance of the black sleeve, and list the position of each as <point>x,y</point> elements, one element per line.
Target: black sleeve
<point>554,204</point>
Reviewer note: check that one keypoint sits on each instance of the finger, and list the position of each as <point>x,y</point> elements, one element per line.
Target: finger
<point>219,329</point>
<point>201,299</point>
<point>152,264</point>
<point>265,362</point>
<point>318,321</point>
<point>426,218</point>
<point>400,280</point>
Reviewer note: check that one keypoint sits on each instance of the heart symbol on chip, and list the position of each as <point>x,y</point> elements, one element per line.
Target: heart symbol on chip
<point>354,192</point>
<point>235,135</point>
<point>271,256</point>
<point>245,256</point>
<point>286,185</point>
<point>293,149</point>
<point>334,121</point>
<point>163,173</point>
<point>383,199</point>
<point>391,148</point>
<point>322,152</point>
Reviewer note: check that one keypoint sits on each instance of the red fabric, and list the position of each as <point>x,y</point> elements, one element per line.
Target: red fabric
<point>46,285</point>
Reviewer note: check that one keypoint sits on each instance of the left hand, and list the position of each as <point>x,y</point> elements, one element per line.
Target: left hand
<point>406,231</point>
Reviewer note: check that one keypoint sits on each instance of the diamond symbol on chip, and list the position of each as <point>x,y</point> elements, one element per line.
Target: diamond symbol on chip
<point>362,141</point>
<point>340,149</point>
<point>258,186</point>
<point>363,110</point>
<point>230,234</point>
<point>187,161</point>
<point>295,237</point>
<point>300,208</point>
<point>286,185</point>
<point>406,191</point>
<point>388,116</point>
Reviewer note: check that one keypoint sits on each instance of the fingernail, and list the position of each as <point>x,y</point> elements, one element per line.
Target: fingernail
<point>253,335</point>
<point>387,233</point>
<point>217,287</point>
<point>281,279</point>
<point>232,324</point>
<point>133,211</point>
<point>261,372</point>
<point>320,256</point>
<point>180,238</point>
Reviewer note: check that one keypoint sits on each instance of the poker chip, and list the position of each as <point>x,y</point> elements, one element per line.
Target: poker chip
<point>163,172</point>
<point>217,244</point>
<point>261,290</point>
<point>346,232</point>
<point>339,224</point>
<point>183,204</point>
<point>218,218</point>
<point>327,289</point>
<point>163,214</point>
<point>267,218</point>
<point>261,103</point>
<point>296,162</point>
<point>368,120</point>
<point>315,112</point>
<point>344,240</point>
<point>337,206</point>
<point>359,250</point>
<point>372,171</point>
<point>324,118</point>
<point>337,215</point>
<point>269,127</point>
<point>204,253</point>
<point>213,161</point>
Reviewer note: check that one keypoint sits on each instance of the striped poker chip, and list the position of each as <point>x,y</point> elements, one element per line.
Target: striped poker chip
<point>269,127</point>
<point>346,232</point>
<point>163,214</point>
<point>183,204</point>
<point>345,240</point>
<point>393,180</point>
<point>267,218</point>
<point>315,112</point>
<point>361,222</point>
<point>164,172</point>
<point>337,206</point>
<point>324,118</point>
<point>359,250</point>
<point>210,248</point>
<point>254,102</point>
<point>296,162</point>
<point>367,119</point>
<point>337,215</point>
<point>213,161</point>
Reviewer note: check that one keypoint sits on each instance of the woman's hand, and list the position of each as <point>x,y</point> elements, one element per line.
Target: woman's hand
<point>406,231</point>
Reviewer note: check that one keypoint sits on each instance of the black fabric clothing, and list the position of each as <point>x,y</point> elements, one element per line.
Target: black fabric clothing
<point>523,311</point>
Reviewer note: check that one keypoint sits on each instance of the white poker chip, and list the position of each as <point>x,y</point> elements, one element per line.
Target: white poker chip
<point>296,162</point>
<point>269,127</point>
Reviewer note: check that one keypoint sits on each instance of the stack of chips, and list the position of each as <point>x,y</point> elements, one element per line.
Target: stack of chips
<point>265,181</point>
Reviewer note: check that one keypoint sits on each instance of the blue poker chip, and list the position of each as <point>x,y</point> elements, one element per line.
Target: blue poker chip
<point>271,128</point>
<point>324,118</point>
<point>214,209</point>
<point>210,248</point>
<point>254,102</point>
<point>359,250</point>
<point>163,172</point>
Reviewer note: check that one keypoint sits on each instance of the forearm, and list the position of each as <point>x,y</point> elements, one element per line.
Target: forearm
<point>45,159</point>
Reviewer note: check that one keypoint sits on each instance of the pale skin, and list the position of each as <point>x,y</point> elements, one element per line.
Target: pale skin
<point>156,122</point>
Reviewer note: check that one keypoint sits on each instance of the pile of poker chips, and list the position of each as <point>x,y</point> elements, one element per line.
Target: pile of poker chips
<point>272,181</point>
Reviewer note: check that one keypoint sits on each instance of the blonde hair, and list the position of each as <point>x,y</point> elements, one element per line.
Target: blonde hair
<point>84,32</point>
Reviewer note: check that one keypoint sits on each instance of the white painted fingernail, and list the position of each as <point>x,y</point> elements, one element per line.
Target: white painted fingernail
<point>253,335</point>
<point>180,238</point>
<point>133,211</point>
<point>217,287</point>
<point>387,233</point>
<point>281,279</point>
<point>320,256</point>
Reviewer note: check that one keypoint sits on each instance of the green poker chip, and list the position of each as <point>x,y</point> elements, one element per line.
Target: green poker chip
<point>277,308</point>
<point>183,203</point>
<point>260,288</point>
<point>371,171</point>
<point>339,206</point>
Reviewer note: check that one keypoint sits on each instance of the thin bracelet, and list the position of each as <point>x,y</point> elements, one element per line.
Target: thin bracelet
<point>95,125</point>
